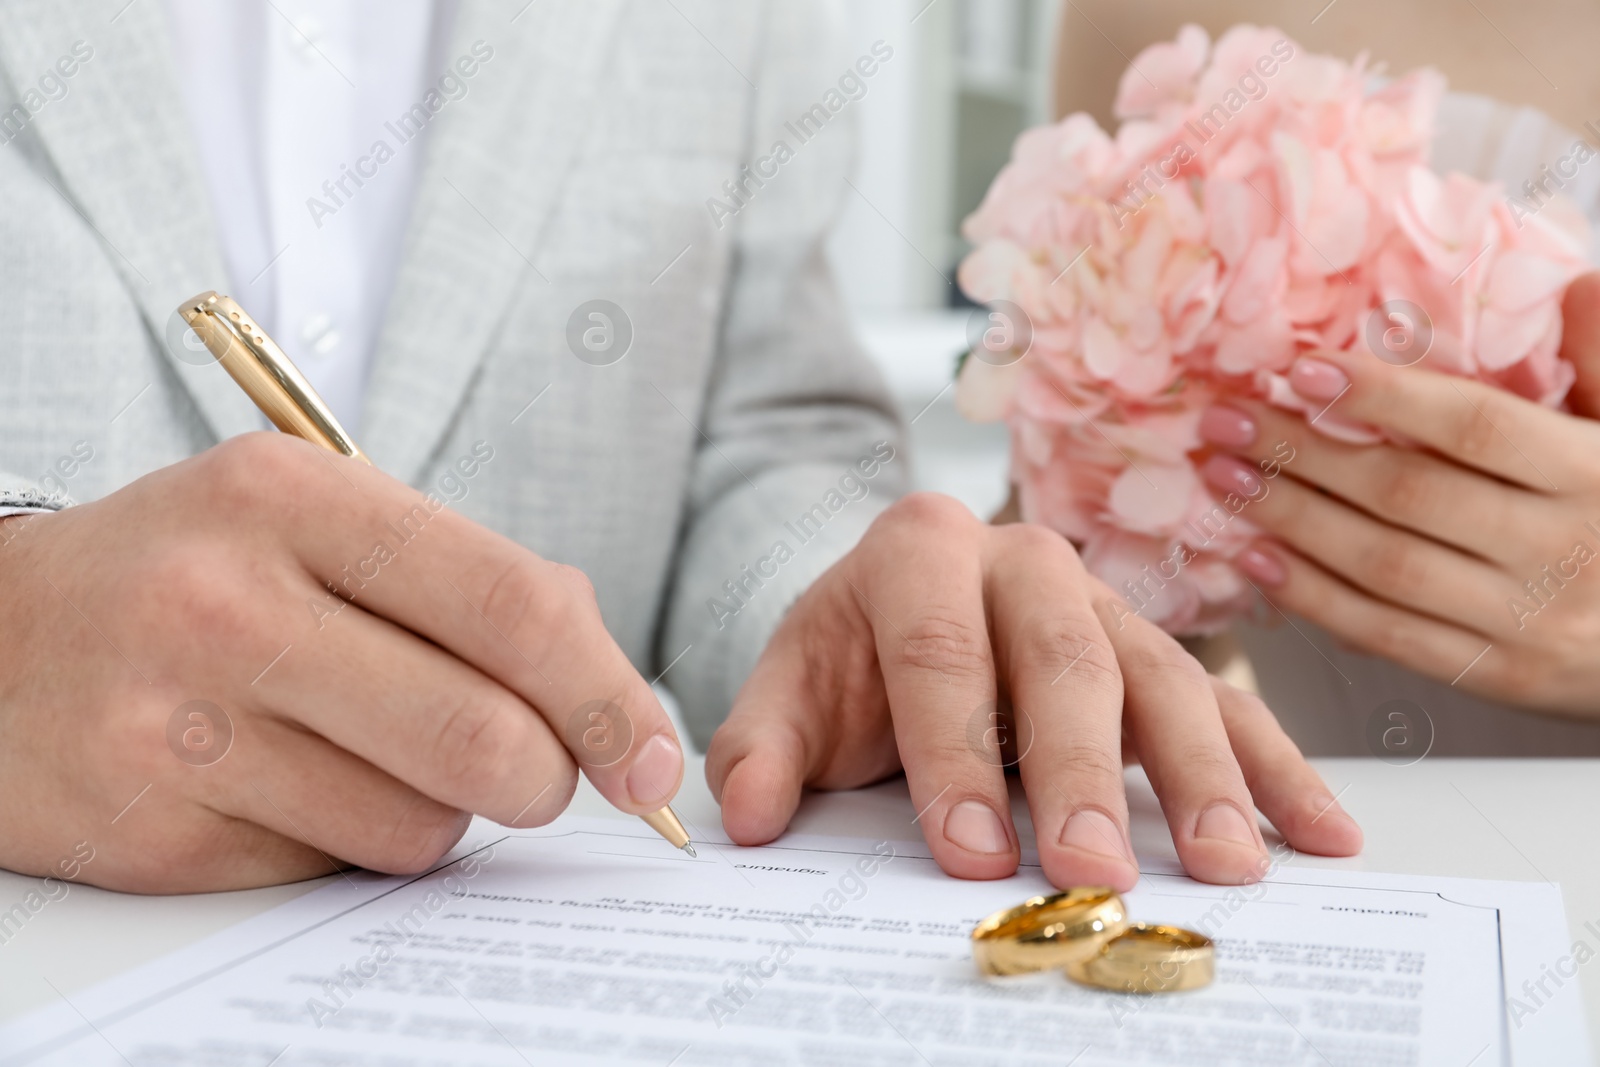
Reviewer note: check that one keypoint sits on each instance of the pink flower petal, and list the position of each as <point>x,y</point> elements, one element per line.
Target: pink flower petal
<point>1162,74</point>
<point>1504,338</point>
<point>1152,498</point>
<point>1266,343</point>
<point>1259,285</point>
<point>1135,567</point>
<point>1103,350</point>
<point>1520,280</point>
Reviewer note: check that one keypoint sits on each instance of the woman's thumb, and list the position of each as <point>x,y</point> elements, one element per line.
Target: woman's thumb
<point>1580,342</point>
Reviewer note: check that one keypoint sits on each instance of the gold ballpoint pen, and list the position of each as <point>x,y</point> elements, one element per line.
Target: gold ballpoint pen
<point>271,379</point>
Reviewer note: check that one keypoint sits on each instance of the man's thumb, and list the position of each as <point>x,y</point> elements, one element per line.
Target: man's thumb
<point>1580,342</point>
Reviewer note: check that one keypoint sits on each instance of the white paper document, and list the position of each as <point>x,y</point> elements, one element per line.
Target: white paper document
<point>592,942</point>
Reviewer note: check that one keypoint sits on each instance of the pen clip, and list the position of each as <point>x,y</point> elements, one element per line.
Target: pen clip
<point>265,372</point>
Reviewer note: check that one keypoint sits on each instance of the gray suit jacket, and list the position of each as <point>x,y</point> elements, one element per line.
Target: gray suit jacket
<point>578,168</point>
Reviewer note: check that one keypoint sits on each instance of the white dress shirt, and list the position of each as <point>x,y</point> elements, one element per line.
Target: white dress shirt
<point>288,100</point>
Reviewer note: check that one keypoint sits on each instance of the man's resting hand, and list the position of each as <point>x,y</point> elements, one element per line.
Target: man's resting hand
<point>895,660</point>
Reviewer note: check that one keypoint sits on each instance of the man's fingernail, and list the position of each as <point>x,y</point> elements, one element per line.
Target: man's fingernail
<point>1094,831</point>
<point>1262,566</point>
<point>1228,427</point>
<point>1224,822</point>
<point>1317,379</point>
<point>1228,475</point>
<point>655,770</point>
<point>974,826</point>
<point>1327,806</point>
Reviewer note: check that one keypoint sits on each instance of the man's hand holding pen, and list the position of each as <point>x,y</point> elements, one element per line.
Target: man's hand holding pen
<point>367,721</point>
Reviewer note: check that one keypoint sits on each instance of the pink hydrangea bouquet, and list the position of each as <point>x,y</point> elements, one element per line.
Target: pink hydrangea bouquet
<point>1256,202</point>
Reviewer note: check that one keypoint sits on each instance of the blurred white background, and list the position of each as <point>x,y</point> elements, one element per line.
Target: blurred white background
<point>934,128</point>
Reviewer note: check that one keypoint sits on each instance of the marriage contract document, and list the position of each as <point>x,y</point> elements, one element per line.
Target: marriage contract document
<point>592,942</point>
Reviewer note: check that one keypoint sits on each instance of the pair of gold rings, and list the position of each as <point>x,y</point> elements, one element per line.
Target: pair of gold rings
<point>1086,932</point>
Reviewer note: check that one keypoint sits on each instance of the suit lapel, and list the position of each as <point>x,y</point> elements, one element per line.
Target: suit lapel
<point>119,149</point>
<point>123,155</point>
<point>496,163</point>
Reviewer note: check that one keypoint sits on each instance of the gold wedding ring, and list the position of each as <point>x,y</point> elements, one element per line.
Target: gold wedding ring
<point>1046,932</point>
<point>1146,958</point>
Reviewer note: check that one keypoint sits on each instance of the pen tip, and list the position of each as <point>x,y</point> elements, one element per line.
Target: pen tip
<point>687,847</point>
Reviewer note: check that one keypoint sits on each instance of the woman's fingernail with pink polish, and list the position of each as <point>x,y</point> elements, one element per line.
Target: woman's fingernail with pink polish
<point>1228,427</point>
<point>1317,379</point>
<point>1228,475</point>
<point>1262,566</point>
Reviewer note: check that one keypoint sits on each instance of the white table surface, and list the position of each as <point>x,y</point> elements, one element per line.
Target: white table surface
<point>1522,820</point>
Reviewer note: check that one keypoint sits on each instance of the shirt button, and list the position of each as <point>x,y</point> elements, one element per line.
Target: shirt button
<point>318,335</point>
